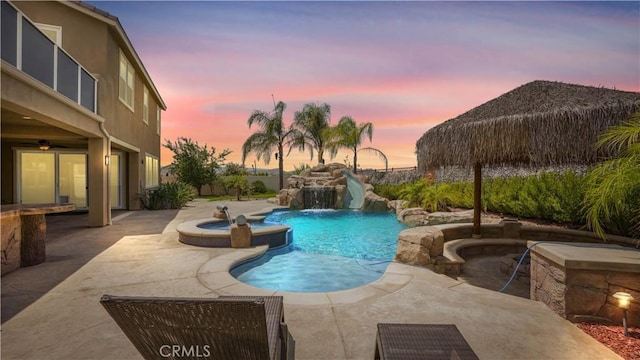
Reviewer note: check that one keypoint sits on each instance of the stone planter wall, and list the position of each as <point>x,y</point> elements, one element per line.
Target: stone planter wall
<point>578,292</point>
<point>11,239</point>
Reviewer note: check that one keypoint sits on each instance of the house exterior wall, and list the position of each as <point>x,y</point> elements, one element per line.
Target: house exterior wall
<point>94,45</point>
<point>96,40</point>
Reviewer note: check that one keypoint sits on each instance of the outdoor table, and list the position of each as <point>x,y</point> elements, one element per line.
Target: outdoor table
<point>33,228</point>
<point>421,341</point>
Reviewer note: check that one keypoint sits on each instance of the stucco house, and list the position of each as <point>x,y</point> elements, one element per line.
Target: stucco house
<point>81,117</point>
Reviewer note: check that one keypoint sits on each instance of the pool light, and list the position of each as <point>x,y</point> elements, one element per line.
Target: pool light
<point>624,299</point>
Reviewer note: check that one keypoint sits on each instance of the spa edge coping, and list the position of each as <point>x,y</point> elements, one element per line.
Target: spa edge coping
<point>191,228</point>
<point>570,255</point>
<point>581,256</point>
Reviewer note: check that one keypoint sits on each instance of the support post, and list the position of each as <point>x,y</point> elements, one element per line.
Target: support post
<point>477,199</point>
<point>99,209</point>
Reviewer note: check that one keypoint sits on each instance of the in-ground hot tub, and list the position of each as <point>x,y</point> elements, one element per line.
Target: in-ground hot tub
<point>217,233</point>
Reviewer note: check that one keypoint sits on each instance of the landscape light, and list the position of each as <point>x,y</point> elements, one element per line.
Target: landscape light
<point>624,299</point>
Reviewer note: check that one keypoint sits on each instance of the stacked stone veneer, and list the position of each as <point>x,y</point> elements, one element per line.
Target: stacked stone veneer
<point>569,292</point>
<point>578,292</point>
<point>11,239</point>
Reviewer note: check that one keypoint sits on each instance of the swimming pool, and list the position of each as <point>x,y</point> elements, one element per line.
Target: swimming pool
<point>331,250</point>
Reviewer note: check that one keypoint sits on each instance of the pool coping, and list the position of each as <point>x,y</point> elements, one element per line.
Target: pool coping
<point>190,228</point>
<point>215,275</point>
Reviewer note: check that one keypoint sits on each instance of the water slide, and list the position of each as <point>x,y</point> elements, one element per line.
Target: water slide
<point>354,198</point>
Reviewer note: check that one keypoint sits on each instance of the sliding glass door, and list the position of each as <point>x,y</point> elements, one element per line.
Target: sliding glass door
<point>46,177</point>
<point>73,179</point>
<point>37,177</point>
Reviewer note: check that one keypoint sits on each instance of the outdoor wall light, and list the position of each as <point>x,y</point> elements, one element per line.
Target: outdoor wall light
<point>624,299</point>
<point>106,160</point>
<point>43,145</point>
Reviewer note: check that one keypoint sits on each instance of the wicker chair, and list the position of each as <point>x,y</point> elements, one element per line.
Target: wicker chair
<point>421,341</point>
<point>245,327</point>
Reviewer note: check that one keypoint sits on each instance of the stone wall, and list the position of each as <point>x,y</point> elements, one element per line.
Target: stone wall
<point>393,177</point>
<point>577,292</point>
<point>11,236</point>
<point>456,173</point>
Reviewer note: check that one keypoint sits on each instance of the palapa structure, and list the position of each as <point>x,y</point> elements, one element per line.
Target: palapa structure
<point>538,124</point>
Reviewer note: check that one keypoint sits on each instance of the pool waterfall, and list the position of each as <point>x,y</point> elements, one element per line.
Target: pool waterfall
<point>319,197</point>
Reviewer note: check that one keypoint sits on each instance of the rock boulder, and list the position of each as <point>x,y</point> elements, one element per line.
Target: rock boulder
<point>420,246</point>
<point>374,202</point>
<point>413,217</point>
<point>451,217</point>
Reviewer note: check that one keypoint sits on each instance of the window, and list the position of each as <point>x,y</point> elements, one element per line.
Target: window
<point>127,76</point>
<point>53,32</point>
<point>158,120</point>
<point>145,106</point>
<point>151,171</point>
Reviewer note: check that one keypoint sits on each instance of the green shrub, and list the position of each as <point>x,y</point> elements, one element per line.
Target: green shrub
<point>238,184</point>
<point>436,197</point>
<point>461,194</point>
<point>414,192</point>
<point>173,195</point>
<point>549,195</point>
<point>389,191</point>
<point>259,187</point>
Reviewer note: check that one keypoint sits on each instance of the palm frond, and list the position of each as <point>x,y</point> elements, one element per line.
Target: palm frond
<point>379,153</point>
<point>623,136</point>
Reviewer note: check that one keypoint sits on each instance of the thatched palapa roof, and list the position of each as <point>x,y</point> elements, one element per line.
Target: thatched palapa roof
<point>538,124</point>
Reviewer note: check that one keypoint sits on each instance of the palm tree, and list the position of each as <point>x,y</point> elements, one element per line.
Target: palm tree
<point>612,199</point>
<point>272,134</point>
<point>310,128</point>
<point>349,135</point>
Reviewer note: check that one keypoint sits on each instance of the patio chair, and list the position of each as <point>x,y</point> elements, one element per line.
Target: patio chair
<point>217,328</point>
<point>421,341</point>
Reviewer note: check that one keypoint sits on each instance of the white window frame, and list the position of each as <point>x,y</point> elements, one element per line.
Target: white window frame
<point>152,171</point>
<point>46,28</point>
<point>158,112</point>
<point>126,84</point>
<point>145,105</point>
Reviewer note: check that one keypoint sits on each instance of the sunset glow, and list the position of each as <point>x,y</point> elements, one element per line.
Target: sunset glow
<point>403,66</point>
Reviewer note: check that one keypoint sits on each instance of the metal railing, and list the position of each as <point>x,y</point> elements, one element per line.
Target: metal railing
<point>398,169</point>
<point>27,48</point>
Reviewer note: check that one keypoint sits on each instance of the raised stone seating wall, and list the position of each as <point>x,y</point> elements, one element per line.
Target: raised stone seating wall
<point>580,281</point>
<point>456,250</point>
<point>570,280</point>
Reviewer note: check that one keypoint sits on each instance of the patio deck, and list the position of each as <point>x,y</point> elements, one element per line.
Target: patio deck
<point>52,310</point>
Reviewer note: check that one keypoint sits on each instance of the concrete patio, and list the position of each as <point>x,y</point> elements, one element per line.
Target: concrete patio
<point>51,311</point>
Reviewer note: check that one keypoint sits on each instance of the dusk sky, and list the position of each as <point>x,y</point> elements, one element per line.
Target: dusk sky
<point>403,66</point>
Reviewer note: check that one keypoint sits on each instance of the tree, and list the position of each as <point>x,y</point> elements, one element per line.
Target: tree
<point>309,129</point>
<point>349,135</point>
<point>272,134</point>
<point>235,178</point>
<point>612,198</point>
<point>194,164</point>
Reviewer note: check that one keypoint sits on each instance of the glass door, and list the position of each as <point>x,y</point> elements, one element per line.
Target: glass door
<point>37,178</point>
<point>115,182</point>
<point>72,171</point>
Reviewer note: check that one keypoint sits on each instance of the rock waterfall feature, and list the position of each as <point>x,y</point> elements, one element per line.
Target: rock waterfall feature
<point>330,186</point>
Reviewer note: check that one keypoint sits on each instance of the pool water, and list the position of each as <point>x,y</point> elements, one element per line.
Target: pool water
<point>331,250</point>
